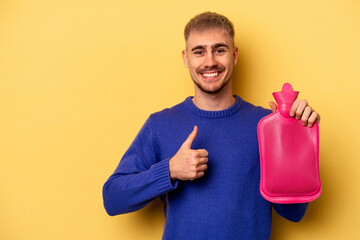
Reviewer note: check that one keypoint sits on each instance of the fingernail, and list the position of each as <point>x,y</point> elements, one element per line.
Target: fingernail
<point>292,114</point>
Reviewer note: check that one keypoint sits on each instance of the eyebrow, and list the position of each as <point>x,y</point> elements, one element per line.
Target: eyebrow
<point>220,45</point>
<point>217,45</point>
<point>198,47</point>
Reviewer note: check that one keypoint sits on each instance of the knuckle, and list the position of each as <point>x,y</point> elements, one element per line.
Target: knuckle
<point>202,152</point>
<point>195,161</point>
<point>304,120</point>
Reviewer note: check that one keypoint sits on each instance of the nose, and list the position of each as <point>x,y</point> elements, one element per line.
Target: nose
<point>210,61</point>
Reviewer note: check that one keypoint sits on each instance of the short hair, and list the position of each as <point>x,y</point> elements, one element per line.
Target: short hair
<point>209,20</point>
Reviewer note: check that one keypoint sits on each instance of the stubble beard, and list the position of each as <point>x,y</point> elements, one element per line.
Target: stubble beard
<point>214,91</point>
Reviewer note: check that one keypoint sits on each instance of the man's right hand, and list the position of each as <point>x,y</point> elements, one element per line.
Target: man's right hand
<point>187,163</point>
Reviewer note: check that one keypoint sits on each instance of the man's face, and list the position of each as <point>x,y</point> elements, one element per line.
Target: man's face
<point>210,57</point>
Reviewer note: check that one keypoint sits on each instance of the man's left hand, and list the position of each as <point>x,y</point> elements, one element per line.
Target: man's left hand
<point>301,110</point>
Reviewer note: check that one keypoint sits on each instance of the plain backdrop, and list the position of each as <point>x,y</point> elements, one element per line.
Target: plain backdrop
<point>79,78</point>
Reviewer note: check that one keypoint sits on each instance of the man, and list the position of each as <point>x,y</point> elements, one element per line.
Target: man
<point>209,180</point>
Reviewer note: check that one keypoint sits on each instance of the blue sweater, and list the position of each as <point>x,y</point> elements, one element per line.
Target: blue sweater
<point>223,204</point>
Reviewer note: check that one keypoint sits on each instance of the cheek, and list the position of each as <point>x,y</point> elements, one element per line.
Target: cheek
<point>193,64</point>
<point>231,63</point>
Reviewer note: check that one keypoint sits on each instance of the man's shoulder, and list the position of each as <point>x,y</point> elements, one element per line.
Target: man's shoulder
<point>169,113</point>
<point>254,109</point>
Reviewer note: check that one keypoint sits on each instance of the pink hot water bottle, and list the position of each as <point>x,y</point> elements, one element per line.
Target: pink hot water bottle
<point>289,154</point>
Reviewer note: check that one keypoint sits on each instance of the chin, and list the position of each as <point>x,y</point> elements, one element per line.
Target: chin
<point>211,90</point>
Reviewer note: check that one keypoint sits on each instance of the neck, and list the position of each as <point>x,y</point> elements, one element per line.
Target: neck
<point>214,102</point>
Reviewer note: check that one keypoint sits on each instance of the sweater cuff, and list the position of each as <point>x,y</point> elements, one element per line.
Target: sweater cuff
<point>162,177</point>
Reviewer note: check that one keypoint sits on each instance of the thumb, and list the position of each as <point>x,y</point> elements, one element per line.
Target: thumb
<point>273,106</point>
<point>191,138</point>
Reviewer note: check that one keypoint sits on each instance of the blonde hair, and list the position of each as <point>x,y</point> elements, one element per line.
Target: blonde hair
<point>209,20</point>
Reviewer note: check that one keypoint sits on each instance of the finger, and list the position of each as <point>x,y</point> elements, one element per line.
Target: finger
<point>313,117</point>
<point>305,116</point>
<point>202,160</point>
<point>201,167</point>
<point>301,108</point>
<point>273,106</point>
<point>191,138</point>
<point>199,174</point>
<point>294,107</point>
<point>201,153</point>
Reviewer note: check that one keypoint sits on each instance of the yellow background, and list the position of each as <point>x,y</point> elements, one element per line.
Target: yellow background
<point>79,78</point>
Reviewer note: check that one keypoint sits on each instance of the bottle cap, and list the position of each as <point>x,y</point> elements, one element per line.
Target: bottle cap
<point>285,99</point>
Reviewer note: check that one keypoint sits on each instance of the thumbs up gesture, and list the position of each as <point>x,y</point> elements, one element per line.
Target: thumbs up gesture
<point>187,163</point>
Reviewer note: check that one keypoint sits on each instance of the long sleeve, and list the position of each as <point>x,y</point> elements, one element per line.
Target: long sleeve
<point>292,212</point>
<point>139,178</point>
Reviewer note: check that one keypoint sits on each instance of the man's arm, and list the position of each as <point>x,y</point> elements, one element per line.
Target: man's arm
<point>292,212</point>
<point>139,178</point>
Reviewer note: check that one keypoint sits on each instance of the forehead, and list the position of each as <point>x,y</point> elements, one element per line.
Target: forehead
<point>208,37</point>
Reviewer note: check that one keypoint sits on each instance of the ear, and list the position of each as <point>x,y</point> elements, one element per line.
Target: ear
<point>185,58</point>
<point>235,55</point>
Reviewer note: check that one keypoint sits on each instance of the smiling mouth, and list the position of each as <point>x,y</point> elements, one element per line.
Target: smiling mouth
<point>210,75</point>
<point>214,74</point>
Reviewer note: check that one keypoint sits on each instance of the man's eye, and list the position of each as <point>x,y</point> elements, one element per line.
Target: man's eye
<point>220,50</point>
<point>198,52</point>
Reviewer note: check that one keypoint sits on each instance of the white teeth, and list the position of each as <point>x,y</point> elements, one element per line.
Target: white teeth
<point>210,74</point>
